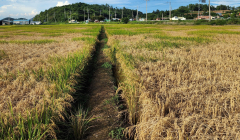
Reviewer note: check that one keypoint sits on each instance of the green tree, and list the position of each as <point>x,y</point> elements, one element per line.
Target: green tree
<point>233,15</point>
<point>225,16</point>
<point>125,20</point>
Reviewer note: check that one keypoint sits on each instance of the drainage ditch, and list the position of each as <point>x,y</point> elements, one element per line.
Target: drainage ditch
<point>97,112</point>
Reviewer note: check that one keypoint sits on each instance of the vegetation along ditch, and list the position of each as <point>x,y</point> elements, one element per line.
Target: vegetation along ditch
<point>97,112</point>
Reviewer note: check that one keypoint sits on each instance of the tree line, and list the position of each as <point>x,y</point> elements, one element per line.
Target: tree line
<point>76,12</point>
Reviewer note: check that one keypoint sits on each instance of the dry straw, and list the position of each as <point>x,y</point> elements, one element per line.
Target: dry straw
<point>37,77</point>
<point>185,87</point>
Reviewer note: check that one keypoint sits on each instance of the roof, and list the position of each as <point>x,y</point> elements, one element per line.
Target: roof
<point>20,20</point>
<point>8,18</point>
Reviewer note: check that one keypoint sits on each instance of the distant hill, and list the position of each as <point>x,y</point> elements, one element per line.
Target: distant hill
<point>76,11</point>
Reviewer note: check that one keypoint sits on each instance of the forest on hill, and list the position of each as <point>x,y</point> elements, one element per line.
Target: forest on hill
<point>76,11</point>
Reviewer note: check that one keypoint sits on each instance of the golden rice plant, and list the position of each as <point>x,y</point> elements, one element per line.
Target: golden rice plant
<point>186,91</point>
<point>44,78</point>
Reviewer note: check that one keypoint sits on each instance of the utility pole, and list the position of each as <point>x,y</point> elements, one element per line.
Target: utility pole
<point>88,14</point>
<point>209,12</point>
<point>64,13</point>
<point>122,13</point>
<point>115,15</point>
<point>132,16</point>
<point>47,17</point>
<point>146,9</point>
<point>137,14</point>
<point>162,16</point>
<point>54,17</point>
<point>84,15</point>
<point>109,15</point>
<point>170,10</point>
<point>198,8</point>
<point>100,12</point>
<point>70,15</point>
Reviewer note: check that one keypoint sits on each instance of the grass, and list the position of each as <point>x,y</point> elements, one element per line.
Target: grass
<point>113,100</point>
<point>117,133</point>
<point>80,123</point>
<point>2,54</point>
<point>27,42</point>
<point>89,40</point>
<point>192,39</point>
<point>53,35</point>
<point>107,65</point>
<point>4,36</point>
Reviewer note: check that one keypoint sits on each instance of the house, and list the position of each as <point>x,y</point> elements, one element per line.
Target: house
<point>73,21</point>
<point>142,19</point>
<point>6,21</point>
<point>178,18</point>
<point>116,19</point>
<point>89,20</point>
<point>158,19</point>
<point>21,21</point>
<point>35,22</point>
<point>204,17</point>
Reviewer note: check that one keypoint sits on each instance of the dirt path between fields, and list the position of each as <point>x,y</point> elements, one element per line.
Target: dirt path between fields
<point>102,104</point>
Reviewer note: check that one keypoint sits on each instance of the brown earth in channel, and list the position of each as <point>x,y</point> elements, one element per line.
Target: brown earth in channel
<point>101,104</point>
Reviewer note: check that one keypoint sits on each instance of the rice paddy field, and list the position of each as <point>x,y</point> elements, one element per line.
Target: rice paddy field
<point>39,68</point>
<point>179,82</point>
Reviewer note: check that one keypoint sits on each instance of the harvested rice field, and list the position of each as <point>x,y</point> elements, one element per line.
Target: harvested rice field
<point>171,82</point>
<point>39,68</point>
<point>179,82</point>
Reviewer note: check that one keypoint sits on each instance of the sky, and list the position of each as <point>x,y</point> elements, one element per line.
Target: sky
<point>29,8</point>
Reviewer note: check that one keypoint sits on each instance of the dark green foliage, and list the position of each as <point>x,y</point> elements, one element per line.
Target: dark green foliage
<point>233,15</point>
<point>212,14</point>
<point>2,54</point>
<point>200,22</point>
<point>117,133</point>
<point>77,12</point>
<point>107,65</point>
<point>99,18</point>
<point>125,20</point>
<point>233,21</point>
<point>226,16</point>
<point>218,22</point>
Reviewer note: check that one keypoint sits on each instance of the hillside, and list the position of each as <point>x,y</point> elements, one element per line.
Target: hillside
<point>76,11</point>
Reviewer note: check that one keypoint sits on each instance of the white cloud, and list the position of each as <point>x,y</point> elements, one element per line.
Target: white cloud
<point>33,13</point>
<point>12,0</point>
<point>230,3</point>
<point>16,10</point>
<point>62,4</point>
<point>5,6</point>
